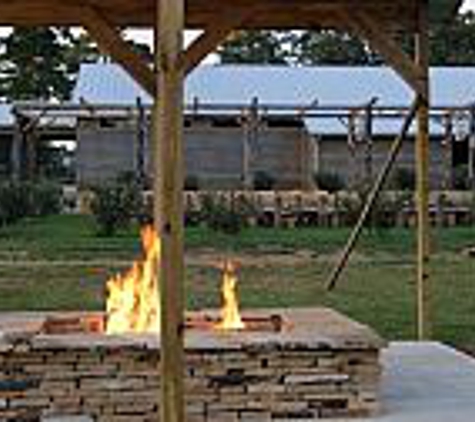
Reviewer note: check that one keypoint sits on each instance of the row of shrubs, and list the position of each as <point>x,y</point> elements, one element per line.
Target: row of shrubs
<point>402,178</point>
<point>20,199</point>
<point>118,203</point>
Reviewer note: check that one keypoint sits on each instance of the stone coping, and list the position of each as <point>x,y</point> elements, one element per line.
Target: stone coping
<point>304,328</point>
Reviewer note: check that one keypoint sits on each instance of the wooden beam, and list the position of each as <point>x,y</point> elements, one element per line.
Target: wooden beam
<point>367,27</point>
<point>168,202</point>
<point>422,169</point>
<point>205,44</point>
<point>110,41</point>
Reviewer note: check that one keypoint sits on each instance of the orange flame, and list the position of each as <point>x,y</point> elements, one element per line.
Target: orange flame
<point>133,301</point>
<point>230,316</point>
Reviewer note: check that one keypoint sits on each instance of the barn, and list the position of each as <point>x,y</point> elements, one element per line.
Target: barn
<point>284,123</point>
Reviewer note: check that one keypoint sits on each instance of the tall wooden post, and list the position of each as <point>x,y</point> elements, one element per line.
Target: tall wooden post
<point>251,126</point>
<point>422,166</point>
<point>368,135</point>
<point>168,188</point>
<point>447,146</point>
<point>471,149</point>
<point>16,147</point>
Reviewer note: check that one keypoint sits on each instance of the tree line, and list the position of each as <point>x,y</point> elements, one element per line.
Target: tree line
<point>43,63</point>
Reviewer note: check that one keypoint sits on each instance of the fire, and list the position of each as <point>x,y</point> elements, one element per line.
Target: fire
<point>133,301</point>
<point>230,316</point>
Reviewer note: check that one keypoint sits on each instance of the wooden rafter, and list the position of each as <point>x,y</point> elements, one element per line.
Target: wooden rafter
<point>110,40</point>
<point>368,28</point>
<point>203,13</point>
<point>205,44</point>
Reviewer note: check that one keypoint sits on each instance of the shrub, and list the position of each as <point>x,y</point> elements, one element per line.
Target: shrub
<point>115,204</point>
<point>460,177</point>
<point>227,216</point>
<point>404,179</point>
<point>348,208</point>
<point>387,208</point>
<point>20,199</point>
<point>46,198</point>
<point>263,181</point>
<point>192,183</point>
<point>329,181</point>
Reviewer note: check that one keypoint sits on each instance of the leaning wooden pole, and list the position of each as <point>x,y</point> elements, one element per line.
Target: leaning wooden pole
<point>168,186</point>
<point>372,198</point>
<point>422,167</point>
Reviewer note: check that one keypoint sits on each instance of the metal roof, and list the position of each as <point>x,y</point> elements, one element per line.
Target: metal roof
<point>6,116</point>
<point>108,84</point>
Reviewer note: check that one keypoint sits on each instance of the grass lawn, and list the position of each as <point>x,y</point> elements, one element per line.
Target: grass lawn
<point>59,263</point>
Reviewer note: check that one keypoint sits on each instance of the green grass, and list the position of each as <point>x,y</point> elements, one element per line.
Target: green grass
<point>59,263</point>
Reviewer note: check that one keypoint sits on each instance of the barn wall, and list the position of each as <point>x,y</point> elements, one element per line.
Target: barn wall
<point>103,154</point>
<point>213,154</point>
<point>336,157</point>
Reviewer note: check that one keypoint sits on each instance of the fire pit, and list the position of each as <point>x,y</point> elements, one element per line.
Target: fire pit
<point>300,363</point>
<point>264,365</point>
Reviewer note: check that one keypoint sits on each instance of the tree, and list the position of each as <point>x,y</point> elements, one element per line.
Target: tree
<point>32,65</point>
<point>329,48</point>
<point>253,47</point>
<point>454,44</point>
<point>79,49</point>
<point>41,63</point>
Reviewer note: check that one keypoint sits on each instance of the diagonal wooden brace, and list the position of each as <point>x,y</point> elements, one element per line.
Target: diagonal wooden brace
<point>110,41</point>
<point>366,26</point>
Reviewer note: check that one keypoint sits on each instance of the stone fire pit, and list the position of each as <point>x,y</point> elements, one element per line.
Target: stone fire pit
<point>304,363</point>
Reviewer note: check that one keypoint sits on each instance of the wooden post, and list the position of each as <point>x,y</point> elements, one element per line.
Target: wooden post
<point>447,146</point>
<point>16,147</point>
<point>422,154</point>
<point>140,168</point>
<point>471,149</point>
<point>251,128</point>
<point>168,189</point>
<point>368,134</point>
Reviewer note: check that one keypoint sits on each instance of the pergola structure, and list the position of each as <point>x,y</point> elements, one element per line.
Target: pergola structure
<point>377,21</point>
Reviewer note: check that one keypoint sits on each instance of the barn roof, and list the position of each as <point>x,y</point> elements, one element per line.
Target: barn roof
<point>6,116</point>
<point>107,83</point>
<point>344,86</point>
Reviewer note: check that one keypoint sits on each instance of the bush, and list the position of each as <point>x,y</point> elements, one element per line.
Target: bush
<point>227,216</point>
<point>192,183</point>
<point>46,198</point>
<point>348,208</point>
<point>387,208</point>
<point>20,199</point>
<point>329,181</point>
<point>404,179</point>
<point>263,181</point>
<point>115,204</point>
<point>460,177</point>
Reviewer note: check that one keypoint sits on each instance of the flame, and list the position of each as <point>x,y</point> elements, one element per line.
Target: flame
<point>230,316</point>
<point>133,300</point>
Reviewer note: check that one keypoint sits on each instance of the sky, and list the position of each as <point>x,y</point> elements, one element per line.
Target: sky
<point>468,5</point>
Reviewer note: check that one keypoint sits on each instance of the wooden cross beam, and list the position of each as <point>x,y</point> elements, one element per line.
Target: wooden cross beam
<point>109,40</point>
<point>366,26</point>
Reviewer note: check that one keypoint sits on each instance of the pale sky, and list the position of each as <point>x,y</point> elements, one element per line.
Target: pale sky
<point>468,4</point>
